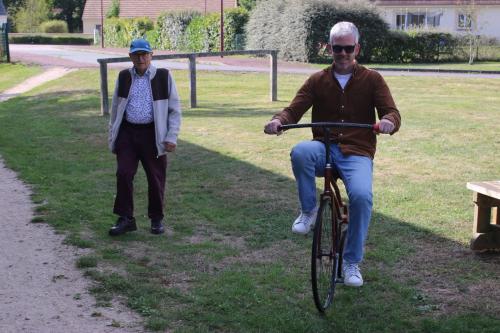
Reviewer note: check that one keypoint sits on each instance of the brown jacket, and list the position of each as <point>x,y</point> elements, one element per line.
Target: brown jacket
<point>365,92</point>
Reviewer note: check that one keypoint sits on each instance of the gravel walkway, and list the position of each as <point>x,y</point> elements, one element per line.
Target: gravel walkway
<point>41,290</point>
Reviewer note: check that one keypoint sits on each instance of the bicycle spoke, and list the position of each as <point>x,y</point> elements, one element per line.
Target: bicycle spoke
<point>324,259</point>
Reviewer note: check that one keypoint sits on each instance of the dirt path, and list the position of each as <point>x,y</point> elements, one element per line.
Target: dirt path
<point>41,290</point>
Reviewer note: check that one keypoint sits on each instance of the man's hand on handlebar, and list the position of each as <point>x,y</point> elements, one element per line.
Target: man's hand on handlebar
<point>273,127</point>
<point>385,126</point>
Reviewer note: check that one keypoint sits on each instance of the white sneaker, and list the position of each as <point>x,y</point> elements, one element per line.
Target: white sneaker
<point>304,222</point>
<point>352,275</point>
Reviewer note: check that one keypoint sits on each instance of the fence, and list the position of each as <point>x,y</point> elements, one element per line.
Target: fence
<point>4,43</point>
<point>273,71</point>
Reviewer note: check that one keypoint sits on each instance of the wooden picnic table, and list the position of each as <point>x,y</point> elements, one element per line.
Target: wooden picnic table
<point>486,230</point>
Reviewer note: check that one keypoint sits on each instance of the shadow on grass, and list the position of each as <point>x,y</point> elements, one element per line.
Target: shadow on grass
<point>229,261</point>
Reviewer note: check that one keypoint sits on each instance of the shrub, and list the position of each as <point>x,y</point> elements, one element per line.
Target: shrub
<point>203,33</point>
<point>234,28</point>
<point>417,46</point>
<point>76,39</point>
<point>171,28</point>
<point>120,32</point>
<point>54,26</point>
<point>115,33</point>
<point>29,17</point>
<point>114,10</point>
<point>299,29</point>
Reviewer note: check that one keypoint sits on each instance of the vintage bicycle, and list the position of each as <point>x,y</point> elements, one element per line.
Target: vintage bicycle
<point>331,223</point>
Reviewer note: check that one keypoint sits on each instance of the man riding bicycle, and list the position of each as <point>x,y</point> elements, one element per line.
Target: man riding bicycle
<point>343,92</point>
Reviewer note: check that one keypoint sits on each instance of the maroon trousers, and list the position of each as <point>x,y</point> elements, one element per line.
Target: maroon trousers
<point>137,143</point>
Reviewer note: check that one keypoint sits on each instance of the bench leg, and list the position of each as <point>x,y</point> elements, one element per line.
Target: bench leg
<point>486,231</point>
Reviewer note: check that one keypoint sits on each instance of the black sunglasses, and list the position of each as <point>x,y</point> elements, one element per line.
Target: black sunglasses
<point>347,48</point>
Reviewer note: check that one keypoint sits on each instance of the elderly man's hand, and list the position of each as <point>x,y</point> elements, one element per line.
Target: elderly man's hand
<point>169,146</point>
<point>386,126</point>
<point>272,127</point>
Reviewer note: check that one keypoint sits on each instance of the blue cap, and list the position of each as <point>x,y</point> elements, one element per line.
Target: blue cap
<point>139,45</point>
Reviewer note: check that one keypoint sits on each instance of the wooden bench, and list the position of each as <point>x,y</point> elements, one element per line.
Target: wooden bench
<point>486,231</point>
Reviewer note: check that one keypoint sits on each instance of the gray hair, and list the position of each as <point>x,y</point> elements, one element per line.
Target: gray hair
<point>342,29</point>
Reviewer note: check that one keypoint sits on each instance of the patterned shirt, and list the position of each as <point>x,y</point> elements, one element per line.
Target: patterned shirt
<point>139,108</point>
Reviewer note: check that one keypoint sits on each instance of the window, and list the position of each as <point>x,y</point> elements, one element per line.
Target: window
<point>464,21</point>
<point>421,18</point>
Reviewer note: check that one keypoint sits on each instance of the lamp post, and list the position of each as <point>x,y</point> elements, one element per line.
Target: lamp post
<point>102,26</point>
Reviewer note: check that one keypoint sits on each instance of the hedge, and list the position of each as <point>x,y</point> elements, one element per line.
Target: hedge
<point>299,29</point>
<point>180,31</point>
<point>54,26</point>
<point>34,38</point>
<point>171,28</point>
<point>203,33</point>
<point>120,32</point>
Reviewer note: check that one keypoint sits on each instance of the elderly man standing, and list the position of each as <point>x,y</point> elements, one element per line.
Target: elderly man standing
<point>344,92</point>
<point>144,125</point>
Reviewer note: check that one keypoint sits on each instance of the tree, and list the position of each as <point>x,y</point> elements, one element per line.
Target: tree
<point>114,10</point>
<point>29,17</point>
<point>467,22</point>
<point>71,11</point>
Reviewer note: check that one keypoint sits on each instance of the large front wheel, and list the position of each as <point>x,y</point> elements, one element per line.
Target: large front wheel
<point>325,257</point>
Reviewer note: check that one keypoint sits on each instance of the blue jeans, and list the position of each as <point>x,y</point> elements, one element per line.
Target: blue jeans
<point>308,161</point>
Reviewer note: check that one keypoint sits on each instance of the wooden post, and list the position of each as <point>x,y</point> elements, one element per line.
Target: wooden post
<point>192,80</point>
<point>482,213</point>
<point>274,75</point>
<point>104,88</point>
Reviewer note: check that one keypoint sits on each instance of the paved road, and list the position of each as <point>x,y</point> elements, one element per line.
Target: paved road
<point>73,56</point>
<point>86,56</point>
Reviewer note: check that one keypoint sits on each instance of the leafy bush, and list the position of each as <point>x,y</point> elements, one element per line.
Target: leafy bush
<point>54,26</point>
<point>115,33</point>
<point>171,28</point>
<point>299,29</point>
<point>417,46</point>
<point>234,28</point>
<point>138,27</point>
<point>75,39</point>
<point>29,17</point>
<point>203,33</point>
<point>114,10</point>
<point>120,32</point>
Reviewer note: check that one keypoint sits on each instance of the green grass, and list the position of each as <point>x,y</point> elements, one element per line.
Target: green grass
<point>13,74</point>
<point>476,66</point>
<point>228,261</point>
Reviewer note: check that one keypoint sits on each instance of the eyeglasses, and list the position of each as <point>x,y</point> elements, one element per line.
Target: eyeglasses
<point>347,48</point>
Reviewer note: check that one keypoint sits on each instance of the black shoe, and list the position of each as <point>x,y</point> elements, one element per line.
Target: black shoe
<point>123,225</point>
<point>157,227</point>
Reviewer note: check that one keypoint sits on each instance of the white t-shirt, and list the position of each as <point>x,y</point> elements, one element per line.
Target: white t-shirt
<point>342,78</point>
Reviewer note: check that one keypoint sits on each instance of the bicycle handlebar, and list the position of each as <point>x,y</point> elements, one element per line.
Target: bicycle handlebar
<point>374,127</point>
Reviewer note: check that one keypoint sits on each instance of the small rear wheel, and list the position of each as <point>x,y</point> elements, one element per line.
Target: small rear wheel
<point>325,257</point>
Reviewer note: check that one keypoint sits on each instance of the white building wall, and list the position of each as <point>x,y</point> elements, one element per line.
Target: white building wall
<point>90,24</point>
<point>489,22</point>
<point>3,19</point>
<point>488,19</point>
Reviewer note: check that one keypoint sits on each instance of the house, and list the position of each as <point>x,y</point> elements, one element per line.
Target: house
<point>480,17</point>
<point>3,13</point>
<point>147,8</point>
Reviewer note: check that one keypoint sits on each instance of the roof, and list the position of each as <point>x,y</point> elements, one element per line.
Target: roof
<point>435,2</point>
<point>3,11</point>
<point>152,8</point>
